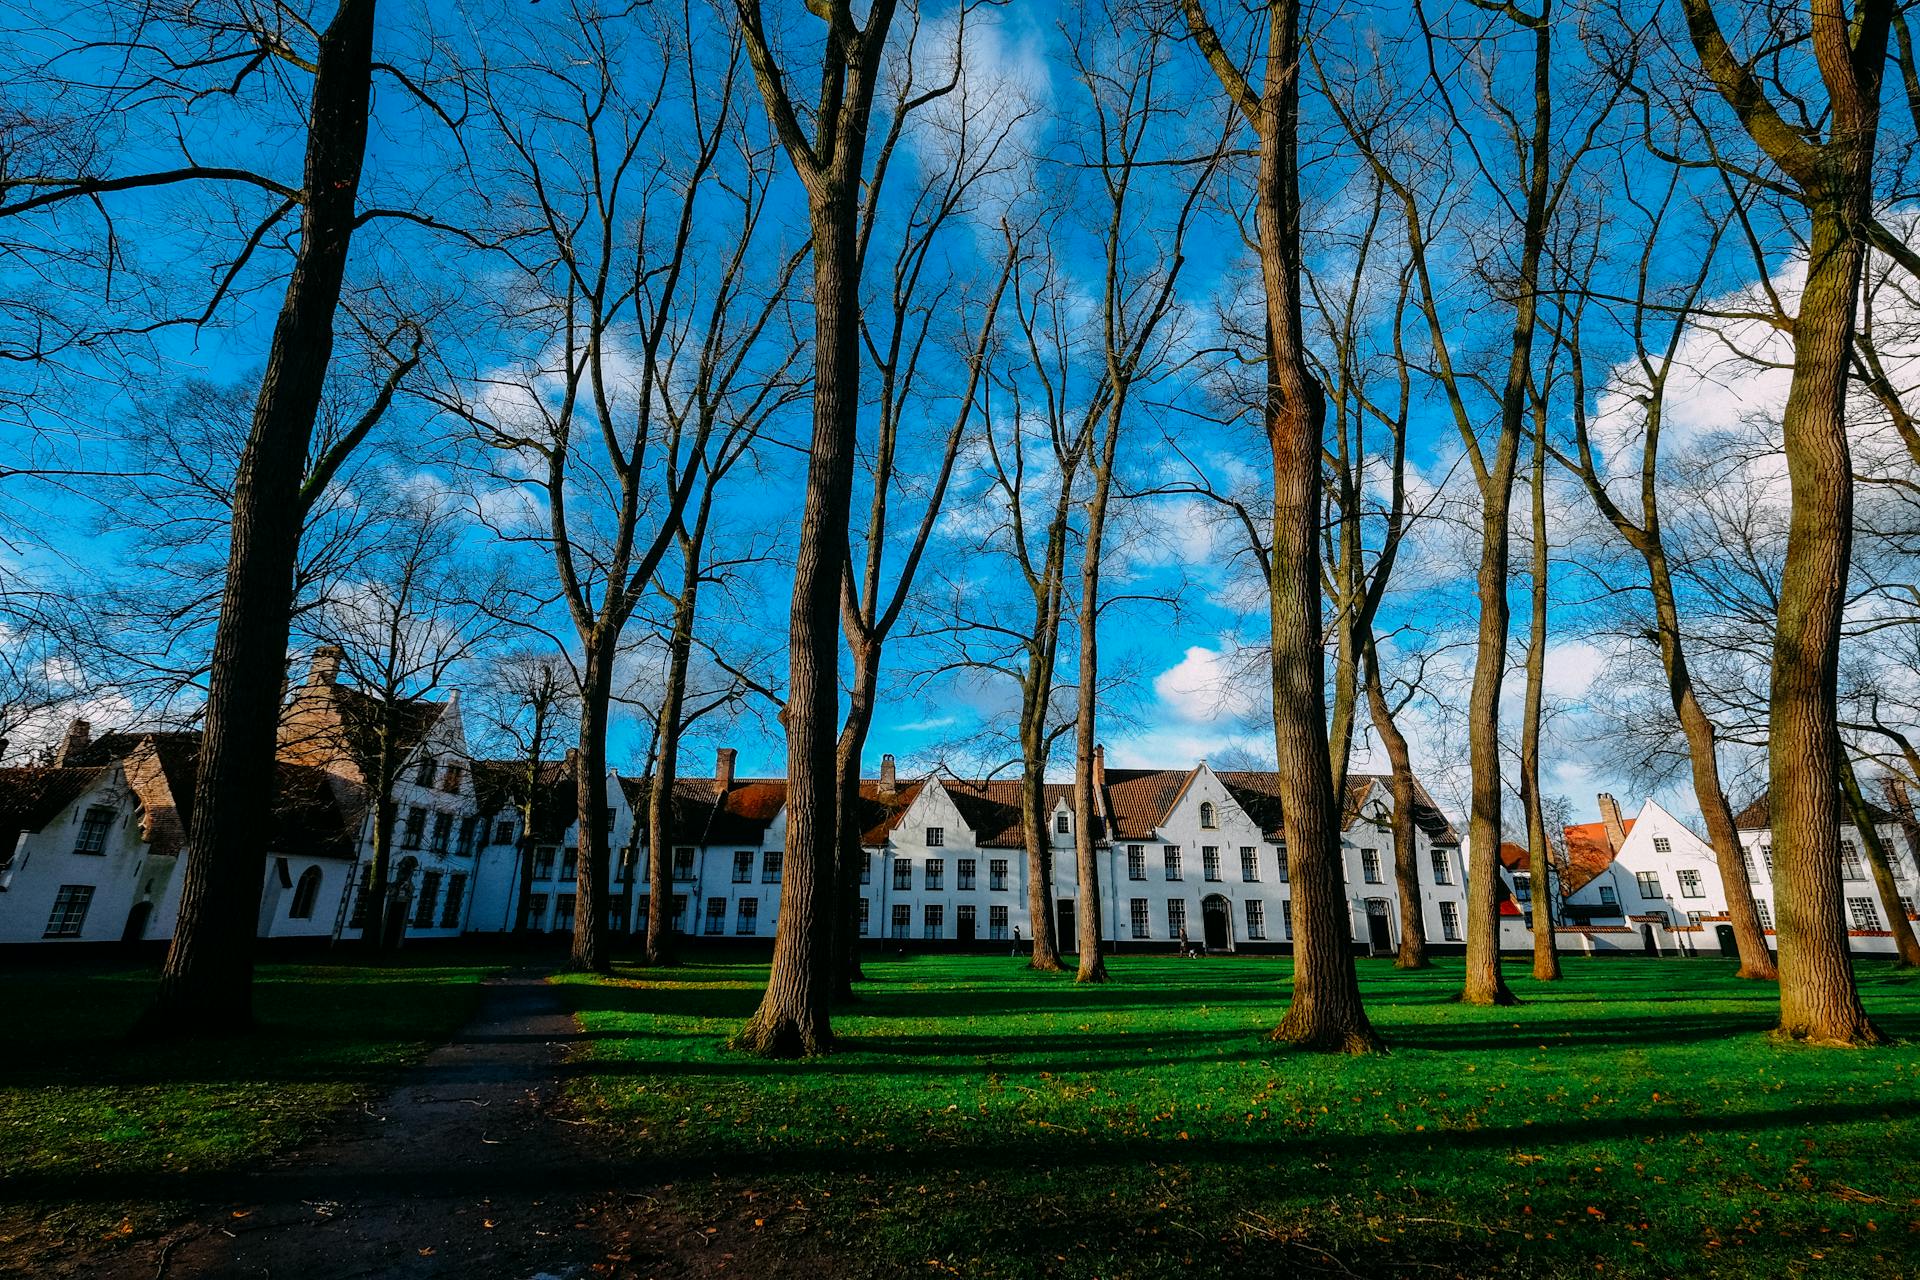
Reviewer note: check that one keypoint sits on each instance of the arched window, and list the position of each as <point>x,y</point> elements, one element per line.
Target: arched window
<point>1208,818</point>
<point>304,894</point>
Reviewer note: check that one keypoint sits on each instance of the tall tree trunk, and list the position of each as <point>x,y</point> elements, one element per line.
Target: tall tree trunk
<point>851,853</point>
<point>373,933</point>
<point>1546,954</point>
<point>1406,859</point>
<point>1086,805</point>
<point>660,943</point>
<point>1045,956</point>
<point>792,1019</point>
<point>206,985</point>
<point>1819,1000</point>
<point>590,952</point>
<point>1906,947</point>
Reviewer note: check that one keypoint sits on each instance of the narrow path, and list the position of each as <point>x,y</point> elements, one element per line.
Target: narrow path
<point>463,1170</point>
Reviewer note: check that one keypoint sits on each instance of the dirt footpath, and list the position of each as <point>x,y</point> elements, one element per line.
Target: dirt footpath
<point>466,1169</point>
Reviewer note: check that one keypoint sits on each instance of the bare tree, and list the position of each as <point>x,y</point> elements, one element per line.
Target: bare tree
<point>1325,1011</point>
<point>526,699</point>
<point>1833,177</point>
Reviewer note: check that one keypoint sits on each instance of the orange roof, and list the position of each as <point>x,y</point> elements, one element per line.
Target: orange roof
<point>1588,852</point>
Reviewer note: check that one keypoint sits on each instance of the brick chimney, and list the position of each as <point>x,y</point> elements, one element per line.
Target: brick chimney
<point>79,735</point>
<point>887,779</point>
<point>1610,815</point>
<point>723,769</point>
<point>325,667</point>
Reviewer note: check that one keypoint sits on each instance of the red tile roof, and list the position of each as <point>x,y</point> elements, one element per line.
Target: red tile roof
<point>1588,853</point>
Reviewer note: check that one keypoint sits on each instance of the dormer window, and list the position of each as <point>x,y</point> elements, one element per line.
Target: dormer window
<point>424,775</point>
<point>1209,817</point>
<point>1062,823</point>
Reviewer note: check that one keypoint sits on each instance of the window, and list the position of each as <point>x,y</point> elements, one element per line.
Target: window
<point>570,864</point>
<point>1864,914</point>
<point>94,825</point>
<point>1906,907</point>
<point>1137,910</point>
<point>866,917</point>
<point>1693,918</point>
<point>442,832</point>
<point>1136,862</point>
<point>743,866</point>
<point>902,874</point>
<point>770,866</point>
<point>563,913</point>
<point>716,915</point>
<point>617,915</point>
<point>1209,819</point>
<point>416,828</point>
<point>997,923</point>
<point>450,778</point>
<point>1176,916</point>
<point>1256,919</point>
<point>1689,883</point>
<point>936,920</point>
<point>1249,863</point>
<point>936,873</point>
<point>543,862</point>
<point>997,874</point>
<point>1210,861</point>
<point>1766,915</point>
<point>1648,882</point>
<point>746,917</point>
<point>1170,858</point>
<point>304,894</point>
<point>866,868</point>
<point>1450,921</point>
<point>1608,898</point>
<point>965,926</point>
<point>1286,917</point>
<point>1523,885</point>
<point>679,910</point>
<point>1849,861</point>
<point>457,894</point>
<point>1440,873</point>
<point>1280,857</point>
<point>683,864</point>
<point>358,919</point>
<point>424,773</point>
<point>1662,845</point>
<point>936,837</point>
<point>503,831</point>
<point>464,845</point>
<point>1766,856</point>
<point>429,897</point>
<point>1370,865</point>
<point>1062,823</point>
<point>902,919</point>
<point>536,910</point>
<point>643,908</point>
<point>967,866</point>
<point>1746,857</point>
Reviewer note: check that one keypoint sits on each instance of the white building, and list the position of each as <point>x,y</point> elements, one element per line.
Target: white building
<point>1652,884</point>
<point>550,870</point>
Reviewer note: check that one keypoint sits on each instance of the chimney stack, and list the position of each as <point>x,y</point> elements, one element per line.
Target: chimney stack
<point>325,668</point>
<point>1610,815</point>
<point>723,769</point>
<point>887,782</point>
<point>79,735</point>
<point>1099,765</point>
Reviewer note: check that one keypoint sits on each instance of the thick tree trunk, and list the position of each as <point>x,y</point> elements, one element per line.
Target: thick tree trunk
<point>1546,954</point>
<point>1045,955</point>
<point>206,985</point>
<point>792,1019</point>
<point>660,944</point>
<point>1906,948</point>
<point>590,952</point>
<point>1819,1000</point>
<point>1325,1011</point>
<point>1406,859</point>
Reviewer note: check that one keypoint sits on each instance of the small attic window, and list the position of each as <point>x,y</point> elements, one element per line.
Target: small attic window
<point>1062,823</point>
<point>1209,818</point>
<point>424,775</point>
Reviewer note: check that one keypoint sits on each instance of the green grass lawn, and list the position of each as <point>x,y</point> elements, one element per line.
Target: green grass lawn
<point>91,1125</point>
<point>984,1121</point>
